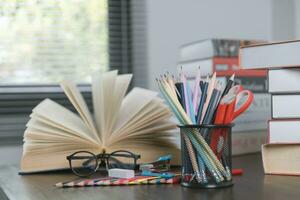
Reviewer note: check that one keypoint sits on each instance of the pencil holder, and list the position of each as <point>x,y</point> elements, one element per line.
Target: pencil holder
<point>206,156</point>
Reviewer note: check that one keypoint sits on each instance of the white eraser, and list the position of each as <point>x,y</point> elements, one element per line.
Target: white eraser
<point>121,173</point>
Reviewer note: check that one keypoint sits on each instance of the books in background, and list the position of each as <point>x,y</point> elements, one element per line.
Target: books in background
<point>212,48</point>
<point>281,153</point>
<point>270,55</point>
<point>221,56</point>
<point>138,122</point>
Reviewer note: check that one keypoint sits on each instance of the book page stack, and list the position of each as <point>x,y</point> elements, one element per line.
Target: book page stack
<point>281,154</point>
<point>138,121</point>
<point>222,56</point>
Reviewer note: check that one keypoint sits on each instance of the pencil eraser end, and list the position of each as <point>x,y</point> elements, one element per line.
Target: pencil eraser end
<point>121,173</point>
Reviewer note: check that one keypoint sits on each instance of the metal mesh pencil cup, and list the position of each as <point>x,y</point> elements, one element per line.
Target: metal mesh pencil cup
<point>206,156</point>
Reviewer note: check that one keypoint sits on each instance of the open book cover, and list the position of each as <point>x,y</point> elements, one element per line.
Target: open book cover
<point>138,122</point>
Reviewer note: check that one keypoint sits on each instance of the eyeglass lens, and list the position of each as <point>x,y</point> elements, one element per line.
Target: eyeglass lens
<point>84,163</point>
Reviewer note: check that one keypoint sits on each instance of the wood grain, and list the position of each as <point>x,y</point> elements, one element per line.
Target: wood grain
<point>252,185</point>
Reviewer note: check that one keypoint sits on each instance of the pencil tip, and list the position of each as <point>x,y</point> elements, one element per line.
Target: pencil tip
<point>232,77</point>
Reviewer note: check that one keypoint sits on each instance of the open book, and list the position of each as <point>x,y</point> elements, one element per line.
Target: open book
<point>138,122</point>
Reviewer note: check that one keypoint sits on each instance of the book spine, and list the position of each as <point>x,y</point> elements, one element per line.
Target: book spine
<point>229,48</point>
<point>253,83</point>
<point>225,48</point>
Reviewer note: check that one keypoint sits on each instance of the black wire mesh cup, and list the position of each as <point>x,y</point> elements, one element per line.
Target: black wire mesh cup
<point>206,156</point>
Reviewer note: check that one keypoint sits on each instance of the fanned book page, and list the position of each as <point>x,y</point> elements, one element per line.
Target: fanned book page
<point>138,122</point>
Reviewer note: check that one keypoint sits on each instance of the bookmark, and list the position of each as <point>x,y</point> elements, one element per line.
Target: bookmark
<point>202,100</point>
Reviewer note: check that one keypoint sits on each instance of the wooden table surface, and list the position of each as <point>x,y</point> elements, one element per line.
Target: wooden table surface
<point>252,185</point>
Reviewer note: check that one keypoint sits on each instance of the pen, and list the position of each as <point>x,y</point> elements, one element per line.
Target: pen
<point>208,117</point>
<point>229,85</point>
<point>202,100</point>
<point>162,175</point>
<point>179,96</point>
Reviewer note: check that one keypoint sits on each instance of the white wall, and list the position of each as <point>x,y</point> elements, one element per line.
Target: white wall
<point>284,19</point>
<point>297,19</point>
<point>172,23</point>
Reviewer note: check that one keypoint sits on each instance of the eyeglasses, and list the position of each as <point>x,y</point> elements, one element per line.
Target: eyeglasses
<point>85,163</point>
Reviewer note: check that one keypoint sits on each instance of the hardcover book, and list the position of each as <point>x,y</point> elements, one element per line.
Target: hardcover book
<point>270,55</point>
<point>284,81</point>
<point>284,131</point>
<point>281,159</point>
<point>215,47</point>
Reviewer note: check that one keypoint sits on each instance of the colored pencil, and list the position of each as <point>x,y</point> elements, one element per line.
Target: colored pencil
<point>137,180</point>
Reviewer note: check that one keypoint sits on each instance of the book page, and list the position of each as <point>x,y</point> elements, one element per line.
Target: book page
<point>154,113</point>
<point>79,104</point>
<point>133,103</point>
<point>103,86</point>
<point>56,115</point>
<point>153,129</point>
<point>39,130</point>
<point>121,86</point>
<point>37,124</point>
<point>148,109</point>
<point>32,134</point>
<point>160,128</point>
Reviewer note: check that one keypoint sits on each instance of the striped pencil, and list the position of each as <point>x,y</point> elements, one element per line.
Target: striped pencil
<point>80,183</point>
<point>138,180</point>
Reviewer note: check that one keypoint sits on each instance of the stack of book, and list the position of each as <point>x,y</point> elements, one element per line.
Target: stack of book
<point>222,56</point>
<point>281,154</point>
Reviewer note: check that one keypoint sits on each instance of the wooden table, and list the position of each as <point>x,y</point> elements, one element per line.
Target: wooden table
<point>252,185</point>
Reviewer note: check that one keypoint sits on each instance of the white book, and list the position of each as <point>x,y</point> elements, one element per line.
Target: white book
<point>270,55</point>
<point>284,131</point>
<point>284,80</point>
<point>286,106</point>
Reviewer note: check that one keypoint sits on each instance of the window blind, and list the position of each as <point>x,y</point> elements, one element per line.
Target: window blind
<point>17,101</point>
<point>120,35</point>
<point>46,41</point>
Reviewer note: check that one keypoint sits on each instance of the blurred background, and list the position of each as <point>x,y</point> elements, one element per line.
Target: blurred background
<point>45,41</point>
